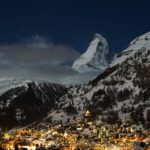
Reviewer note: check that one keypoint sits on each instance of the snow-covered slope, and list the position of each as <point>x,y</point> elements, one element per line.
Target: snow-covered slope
<point>23,102</point>
<point>96,57</point>
<point>139,43</point>
<point>9,83</point>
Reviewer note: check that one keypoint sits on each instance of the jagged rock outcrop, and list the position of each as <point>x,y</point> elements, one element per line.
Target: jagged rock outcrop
<point>96,58</point>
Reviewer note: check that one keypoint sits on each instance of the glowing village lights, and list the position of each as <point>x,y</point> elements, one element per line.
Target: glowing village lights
<point>84,134</point>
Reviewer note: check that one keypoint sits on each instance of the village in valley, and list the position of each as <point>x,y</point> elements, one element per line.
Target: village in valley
<point>82,133</point>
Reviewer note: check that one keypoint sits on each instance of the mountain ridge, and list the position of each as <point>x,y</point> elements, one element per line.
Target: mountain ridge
<point>27,103</point>
<point>95,58</point>
<point>121,92</point>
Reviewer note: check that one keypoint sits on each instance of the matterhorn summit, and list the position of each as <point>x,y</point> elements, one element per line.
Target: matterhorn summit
<point>96,58</point>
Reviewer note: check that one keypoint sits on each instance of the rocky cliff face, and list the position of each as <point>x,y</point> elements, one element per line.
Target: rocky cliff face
<point>96,58</point>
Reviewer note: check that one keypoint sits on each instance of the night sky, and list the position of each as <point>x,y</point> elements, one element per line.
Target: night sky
<point>73,22</point>
<point>37,36</point>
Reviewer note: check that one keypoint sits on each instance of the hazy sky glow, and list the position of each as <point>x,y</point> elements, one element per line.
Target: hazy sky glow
<point>40,39</point>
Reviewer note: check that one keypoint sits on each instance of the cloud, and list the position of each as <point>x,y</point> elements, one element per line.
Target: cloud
<point>37,50</point>
<point>37,58</point>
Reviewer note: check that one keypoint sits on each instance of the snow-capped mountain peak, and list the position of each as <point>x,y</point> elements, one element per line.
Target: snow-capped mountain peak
<point>96,56</point>
<point>143,39</point>
<point>139,43</point>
